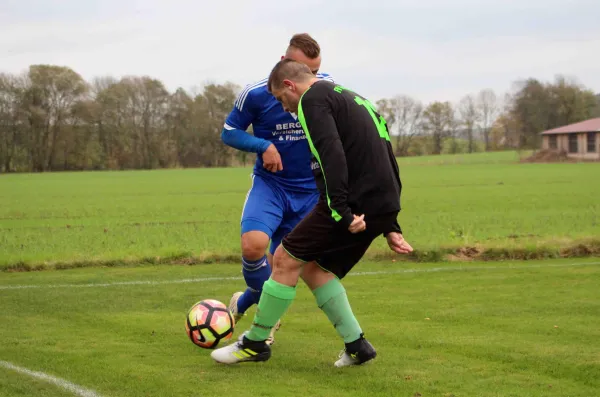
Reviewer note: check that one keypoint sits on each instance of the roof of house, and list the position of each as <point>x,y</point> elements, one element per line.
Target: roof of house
<point>591,125</point>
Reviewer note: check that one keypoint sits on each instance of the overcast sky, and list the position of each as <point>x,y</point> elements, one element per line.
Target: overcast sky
<point>430,49</point>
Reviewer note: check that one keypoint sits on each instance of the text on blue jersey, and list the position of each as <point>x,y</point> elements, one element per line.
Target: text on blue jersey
<point>256,106</point>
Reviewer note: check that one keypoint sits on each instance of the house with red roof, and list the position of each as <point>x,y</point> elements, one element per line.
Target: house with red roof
<point>579,140</point>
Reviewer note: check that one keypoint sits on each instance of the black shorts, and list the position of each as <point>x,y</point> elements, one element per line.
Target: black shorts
<point>318,237</point>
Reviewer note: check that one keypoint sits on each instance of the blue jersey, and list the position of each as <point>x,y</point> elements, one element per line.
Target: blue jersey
<point>256,106</point>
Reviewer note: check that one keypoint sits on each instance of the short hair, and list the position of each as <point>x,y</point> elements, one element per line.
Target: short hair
<point>288,69</point>
<point>305,43</point>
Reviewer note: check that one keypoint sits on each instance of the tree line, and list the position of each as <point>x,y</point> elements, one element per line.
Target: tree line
<point>51,119</point>
<point>485,121</point>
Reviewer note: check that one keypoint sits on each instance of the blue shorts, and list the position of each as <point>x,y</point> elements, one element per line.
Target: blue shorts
<point>274,210</point>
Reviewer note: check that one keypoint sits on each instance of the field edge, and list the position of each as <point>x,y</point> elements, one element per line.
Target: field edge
<point>580,248</point>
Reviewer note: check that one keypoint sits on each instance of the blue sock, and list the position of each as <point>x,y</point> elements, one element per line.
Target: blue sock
<point>255,273</point>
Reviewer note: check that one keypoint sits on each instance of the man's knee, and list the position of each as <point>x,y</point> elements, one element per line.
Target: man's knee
<point>254,245</point>
<point>283,261</point>
<point>314,276</point>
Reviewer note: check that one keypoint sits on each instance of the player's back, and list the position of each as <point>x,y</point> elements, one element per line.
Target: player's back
<point>373,177</point>
<point>255,105</point>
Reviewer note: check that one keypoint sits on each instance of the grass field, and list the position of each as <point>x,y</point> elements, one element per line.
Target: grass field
<point>486,201</point>
<point>477,329</point>
<point>450,328</point>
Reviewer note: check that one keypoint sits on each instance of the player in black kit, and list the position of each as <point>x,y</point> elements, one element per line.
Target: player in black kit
<point>358,178</point>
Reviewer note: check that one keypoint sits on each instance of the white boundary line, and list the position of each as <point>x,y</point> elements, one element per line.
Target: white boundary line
<point>62,383</point>
<point>371,273</point>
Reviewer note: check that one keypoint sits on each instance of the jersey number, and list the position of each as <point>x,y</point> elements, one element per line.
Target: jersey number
<point>379,122</point>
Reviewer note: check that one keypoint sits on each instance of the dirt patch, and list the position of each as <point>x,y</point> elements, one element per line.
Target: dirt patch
<point>464,254</point>
<point>549,156</point>
<point>518,236</point>
<point>582,250</point>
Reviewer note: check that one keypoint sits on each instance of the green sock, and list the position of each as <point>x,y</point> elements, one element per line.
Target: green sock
<point>332,299</point>
<point>274,301</point>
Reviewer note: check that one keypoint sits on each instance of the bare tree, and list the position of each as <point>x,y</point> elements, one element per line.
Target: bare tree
<point>12,108</point>
<point>469,117</point>
<point>488,111</point>
<point>403,115</point>
<point>50,97</point>
<point>438,120</point>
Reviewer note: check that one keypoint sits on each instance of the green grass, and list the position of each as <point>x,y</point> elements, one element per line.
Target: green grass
<point>503,157</point>
<point>441,329</point>
<point>485,201</point>
<point>476,329</point>
<point>15,385</point>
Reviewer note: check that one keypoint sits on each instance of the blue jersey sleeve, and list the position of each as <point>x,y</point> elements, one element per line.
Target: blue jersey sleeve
<point>239,119</point>
<point>244,110</point>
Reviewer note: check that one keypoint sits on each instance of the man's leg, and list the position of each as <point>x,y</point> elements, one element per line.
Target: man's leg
<point>280,290</point>
<point>277,295</point>
<point>326,287</point>
<point>324,279</point>
<point>331,297</point>
<point>330,294</point>
<point>261,216</point>
<point>275,242</point>
<point>255,266</point>
<point>297,206</point>
<point>311,238</point>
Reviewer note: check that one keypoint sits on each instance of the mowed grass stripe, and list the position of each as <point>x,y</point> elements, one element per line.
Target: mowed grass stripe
<point>511,331</point>
<point>496,209</point>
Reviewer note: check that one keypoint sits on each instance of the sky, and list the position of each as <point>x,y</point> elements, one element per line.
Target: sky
<point>428,49</point>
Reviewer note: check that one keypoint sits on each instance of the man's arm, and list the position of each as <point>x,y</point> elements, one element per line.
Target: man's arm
<point>242,115</point>
<point>241,140</point>
<point>324,140</point>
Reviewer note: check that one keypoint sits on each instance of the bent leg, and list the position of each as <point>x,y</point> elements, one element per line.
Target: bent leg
<point>255,268</point>
<point>333,252</point>
<point>261,216</point>
<point>331,297</point>
<point>277,296</point>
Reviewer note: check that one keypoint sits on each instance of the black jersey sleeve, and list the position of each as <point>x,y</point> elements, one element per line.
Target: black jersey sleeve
<point>326,146</point>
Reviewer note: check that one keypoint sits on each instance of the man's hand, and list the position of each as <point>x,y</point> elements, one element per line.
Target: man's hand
<point>272,159</point>
<point>358,224</point>
<point>397,243</point>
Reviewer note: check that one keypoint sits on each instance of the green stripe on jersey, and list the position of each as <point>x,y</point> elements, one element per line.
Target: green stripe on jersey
<point>334,213</point>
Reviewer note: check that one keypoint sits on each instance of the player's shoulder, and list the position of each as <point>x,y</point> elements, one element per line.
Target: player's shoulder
<point>318,95</point>
<point>319,91</point>
<point>325,76</point>
<point>249,94</point>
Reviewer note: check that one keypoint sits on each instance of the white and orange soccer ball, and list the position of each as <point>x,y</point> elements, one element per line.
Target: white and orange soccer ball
<point>208,323</point>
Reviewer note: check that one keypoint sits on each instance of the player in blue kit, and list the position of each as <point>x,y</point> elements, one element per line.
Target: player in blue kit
<point>283,187</point>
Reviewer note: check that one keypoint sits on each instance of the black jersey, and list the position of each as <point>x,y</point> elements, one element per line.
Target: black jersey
<point>353,160</point>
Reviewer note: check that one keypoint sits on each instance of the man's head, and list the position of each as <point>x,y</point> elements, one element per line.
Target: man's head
<point>288,80</point>
<point>304,49</point>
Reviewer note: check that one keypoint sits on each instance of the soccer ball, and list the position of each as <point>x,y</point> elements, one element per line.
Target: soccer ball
<point>209,322</point>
